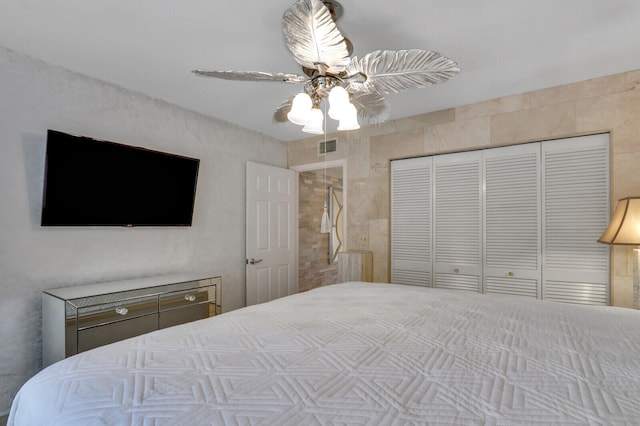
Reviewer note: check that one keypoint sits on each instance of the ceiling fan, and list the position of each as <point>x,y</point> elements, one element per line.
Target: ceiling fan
<point>353,87</point>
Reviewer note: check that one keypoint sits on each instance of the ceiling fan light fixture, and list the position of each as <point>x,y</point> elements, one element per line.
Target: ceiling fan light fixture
<point>314,125</point>
<point>300,109</point>
<point>334,76</point>
<point>349,119</point>
<point>338,102</point>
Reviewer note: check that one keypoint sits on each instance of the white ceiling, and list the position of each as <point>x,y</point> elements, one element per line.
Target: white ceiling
<point>503,47</point>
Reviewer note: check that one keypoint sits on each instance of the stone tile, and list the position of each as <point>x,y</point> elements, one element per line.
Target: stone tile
<point>618,112</point>
<point>458,136</point>
<point>379,244</point>
<point>303,156</point>
<point>379,237</point>
<point>535,124</point>
<point>381,272</point>
<point>622,261</point>
<point>381,150</point>
<point>624,175</point>
<point>409,143</point>
<point>493,107</point>
<point>358,236</point>
<point>368,199</point>
<point>424,120</point>
<point>374,130</point>
<point>622,291</point>
<point>580,90</point>
<point>358,157</point>
<point>632,80</point>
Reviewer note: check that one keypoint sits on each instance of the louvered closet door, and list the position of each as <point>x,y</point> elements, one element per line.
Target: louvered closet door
<point>458,221</point>
<point>576,211</point>
<point>512,220</point>
<point>411,221</point>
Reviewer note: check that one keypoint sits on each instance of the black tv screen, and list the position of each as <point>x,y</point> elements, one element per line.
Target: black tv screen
<point>98,183</point>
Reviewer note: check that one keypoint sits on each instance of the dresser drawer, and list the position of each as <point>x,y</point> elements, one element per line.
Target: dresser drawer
<point>93,316</point>
<point>90,338</point>
<point>188,297</point>
<point>183,306</point>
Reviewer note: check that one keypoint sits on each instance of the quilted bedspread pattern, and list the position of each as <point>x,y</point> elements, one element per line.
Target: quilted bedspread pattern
<point>357,353</point>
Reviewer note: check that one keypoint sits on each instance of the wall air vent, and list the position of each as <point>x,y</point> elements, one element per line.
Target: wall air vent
<point>327,147</point>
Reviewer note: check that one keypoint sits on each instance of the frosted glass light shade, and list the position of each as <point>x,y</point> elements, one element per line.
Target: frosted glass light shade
<point>338,102</point>
<point>315,124</point>
<point>349,120</point>
<point>624,227</point>
<point>300,109</point>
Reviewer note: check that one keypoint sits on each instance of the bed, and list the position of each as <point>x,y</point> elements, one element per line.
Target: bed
<point>357,353</point>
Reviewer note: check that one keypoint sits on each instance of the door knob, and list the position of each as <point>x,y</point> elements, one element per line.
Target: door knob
<point>254,261</point>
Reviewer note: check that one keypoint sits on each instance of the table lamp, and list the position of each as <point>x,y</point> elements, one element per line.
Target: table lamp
<point>624,229</point>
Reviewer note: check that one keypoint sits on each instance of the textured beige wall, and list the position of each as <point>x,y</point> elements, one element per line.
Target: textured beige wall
<point>609,103</point>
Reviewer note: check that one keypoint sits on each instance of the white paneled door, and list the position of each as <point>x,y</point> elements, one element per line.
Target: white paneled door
<point>271,206</point>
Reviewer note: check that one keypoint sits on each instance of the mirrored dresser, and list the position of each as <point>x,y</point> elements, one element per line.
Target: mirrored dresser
<point>76,319</point>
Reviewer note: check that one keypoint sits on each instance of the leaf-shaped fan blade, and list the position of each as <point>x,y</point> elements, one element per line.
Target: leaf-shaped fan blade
<point>392,71</point>
<point>253,76</point>
<point>313,38</point>
<point>372,107</point>
<point>280,115</point>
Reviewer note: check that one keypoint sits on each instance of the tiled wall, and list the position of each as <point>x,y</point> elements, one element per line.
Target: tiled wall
<point>314,269</point>
<point>609,103</point>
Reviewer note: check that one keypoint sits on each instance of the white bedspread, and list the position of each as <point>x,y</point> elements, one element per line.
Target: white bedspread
<point>358,353</point>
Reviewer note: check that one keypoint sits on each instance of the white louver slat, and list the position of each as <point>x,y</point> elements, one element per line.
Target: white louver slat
<point>458,220</point>
<point>512,220</point>
<point>513,286</point>
<point>458,281</point>
<point>576,211</point>
<point>411,221</point>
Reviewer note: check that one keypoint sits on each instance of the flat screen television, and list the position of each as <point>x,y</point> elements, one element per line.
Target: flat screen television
<point>88,182</point>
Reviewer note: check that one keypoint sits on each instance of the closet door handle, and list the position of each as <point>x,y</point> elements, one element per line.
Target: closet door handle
<point>253,261</point>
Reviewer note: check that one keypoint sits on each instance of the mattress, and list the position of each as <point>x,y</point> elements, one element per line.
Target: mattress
<point>357,353</point>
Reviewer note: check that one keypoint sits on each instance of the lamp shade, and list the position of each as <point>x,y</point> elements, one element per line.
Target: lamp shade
<point>624,227</point>
<point>315,124</point>
<point>300,109</point>
<point>349,120</point>
<point>338,102</point>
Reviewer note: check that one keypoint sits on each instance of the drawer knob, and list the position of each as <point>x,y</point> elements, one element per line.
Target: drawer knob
<point>456,270</point>
<point>510,274</point>
<point>190,298</point>
<point>122,311</point>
